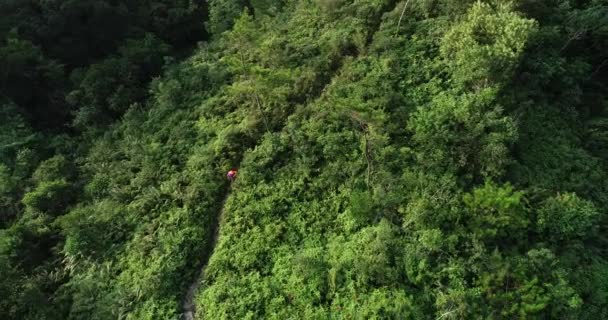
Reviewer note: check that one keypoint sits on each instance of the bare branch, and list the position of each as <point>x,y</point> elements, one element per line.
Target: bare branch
<point>445,314</point>
<point>401,17</point>
<point>575,36</point>
<point>257,100</point>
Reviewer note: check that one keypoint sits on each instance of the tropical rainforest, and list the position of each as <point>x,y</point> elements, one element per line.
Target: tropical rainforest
<point>414,159</point>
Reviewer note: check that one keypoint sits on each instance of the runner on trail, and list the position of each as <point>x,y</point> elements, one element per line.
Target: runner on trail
<point>231,175</point>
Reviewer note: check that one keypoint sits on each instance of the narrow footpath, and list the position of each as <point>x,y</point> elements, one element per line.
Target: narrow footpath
<point>189,306</point>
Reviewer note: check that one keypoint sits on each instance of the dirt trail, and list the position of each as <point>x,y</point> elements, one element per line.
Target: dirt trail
<point>188,306</point>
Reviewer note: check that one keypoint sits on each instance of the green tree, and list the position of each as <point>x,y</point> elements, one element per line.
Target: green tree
<point>568,217</point>
<point>52,191</point>
<point>222,14</point>
<point>32,81</point>
<point>107,89</point>
<point>496,213</point>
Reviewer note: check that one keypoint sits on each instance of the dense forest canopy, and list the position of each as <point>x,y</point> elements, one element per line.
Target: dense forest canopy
<point>416,159</point>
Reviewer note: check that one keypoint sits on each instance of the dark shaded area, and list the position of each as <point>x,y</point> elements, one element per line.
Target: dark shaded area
<point>52,51</point>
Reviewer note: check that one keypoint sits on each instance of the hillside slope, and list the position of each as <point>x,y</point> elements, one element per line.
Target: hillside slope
<point>397,160</point>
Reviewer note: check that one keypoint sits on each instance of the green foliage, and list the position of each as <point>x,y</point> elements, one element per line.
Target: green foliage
<point>112,49</point>
<point>83,225</point>
<point>52,192</point>
<point>567,217</point>
<point>467,132</point>
<point>465,127</point>
<point>54,168</point>
<point>108,88</point>
<point>179,23</point>
<point>222,14</point>
<point>496,213</point>
<point>485,47</point>
<point>26,251</point>
<point>91,60</point>
<point>49,197</point>
<point>444,160</point>
<point>15,135</point>
<point>31,80</point>
<point>597,137</point>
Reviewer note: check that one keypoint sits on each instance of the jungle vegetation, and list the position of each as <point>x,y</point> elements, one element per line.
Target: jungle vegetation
<point>415,159</point>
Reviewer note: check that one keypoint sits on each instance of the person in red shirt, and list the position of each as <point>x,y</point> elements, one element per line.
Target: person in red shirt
<point>231,175</point>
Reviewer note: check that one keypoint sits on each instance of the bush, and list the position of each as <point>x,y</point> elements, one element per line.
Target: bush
<point>568,217</point>
<point>50,197</point>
